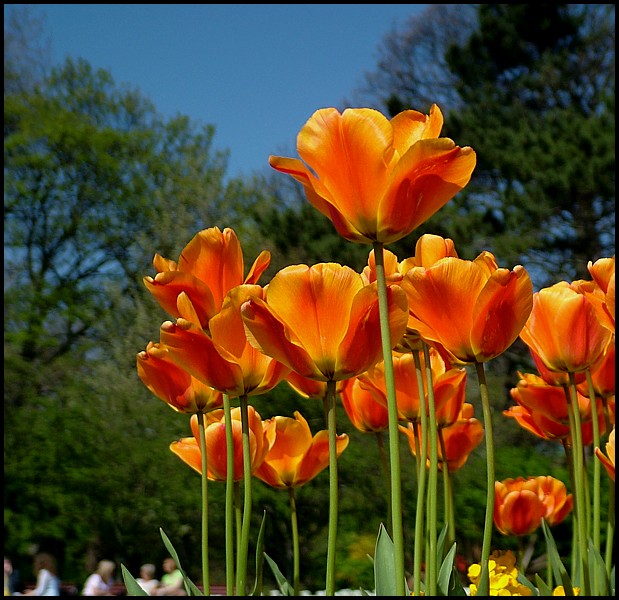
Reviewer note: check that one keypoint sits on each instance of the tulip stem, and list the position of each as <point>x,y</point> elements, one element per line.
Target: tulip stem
<point>579,476</point>
<point>229,498</point>
<point>392,412</point>
<point>385,464</point>
<point>421,477</point>
<point>205,567</point>
<point>244,546</point>
<point>295,543</point>
<point>596,463</point>
<point>450,519</point>
<point>333,492</point>
<point>484,580</point>
<point>432,558</point>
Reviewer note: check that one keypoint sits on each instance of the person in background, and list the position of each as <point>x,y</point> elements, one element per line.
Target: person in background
<point>147,579</point>
<point>48,583</point>
<point>100,582</point>
<point>172,583</point>
<point>12,581</point>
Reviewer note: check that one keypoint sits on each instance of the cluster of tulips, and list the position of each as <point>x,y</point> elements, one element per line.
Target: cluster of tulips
<point>392,343</point>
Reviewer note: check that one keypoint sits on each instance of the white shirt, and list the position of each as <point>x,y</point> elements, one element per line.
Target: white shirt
<point>95,584</point>
<point>47,584</point>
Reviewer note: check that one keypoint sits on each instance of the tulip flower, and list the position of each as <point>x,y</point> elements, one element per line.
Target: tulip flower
<point>209,266</point>
<point>261,439</point>
<point>474,309</point>
<point>364,411</point>
<point>175,386</point>
<point>521,504</point>
<point>608,459</point>
<point>295,457</point>
<point>377,179</point>
<point>563,329</point>
<point>310,388</point>
<point>321,321</point>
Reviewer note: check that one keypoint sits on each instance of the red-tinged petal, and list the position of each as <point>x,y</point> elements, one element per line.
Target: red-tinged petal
<point>349,152</point>
<point>167,285</point>
<point>188,450</point>
<point>257,269</point>
<point>520,514</point>
<point>215,257</point>
<point>410,126</point>
<point>361,347</point>
<point>195,352</point>
<point>316,459</point>
<point>501,311</point>
<point>442,300</point>
<point>267,333</point>
<point>363,410</point>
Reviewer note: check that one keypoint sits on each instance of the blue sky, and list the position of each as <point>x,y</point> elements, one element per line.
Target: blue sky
<point>256,72</point>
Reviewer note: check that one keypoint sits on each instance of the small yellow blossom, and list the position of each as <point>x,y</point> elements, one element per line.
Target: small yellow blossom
<point>560,591</point>
<point>503,576</point>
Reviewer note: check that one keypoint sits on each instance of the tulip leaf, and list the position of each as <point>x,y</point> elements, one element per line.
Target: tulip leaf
<point>284,587</point>
<point>257,591</point>
<point>384,565</point>
<point>191,588</point>
<point>543,588</point>
<point>448,582</point>
<point>558,569</point>
<point>133,587</point>
<point>597,570</point>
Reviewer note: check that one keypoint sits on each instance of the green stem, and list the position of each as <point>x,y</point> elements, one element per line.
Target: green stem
<point>596,463</point>
<point>421,478</point>
<point>610,530</point>
<point>333,492</point>
<point>205,567</point>
<point>247,483</point>
<point>384,461</point>
<point>392,411</point>
<point>229,498</point>
<point>295,543</point>
<point>450,517</point>
<point>579,476</point>
<point>570,467</point>
<point>484,581</point>
<point>432,558</point>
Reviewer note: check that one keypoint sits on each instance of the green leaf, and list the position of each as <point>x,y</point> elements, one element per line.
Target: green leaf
<point>133,587</point>
<point>544,590</point>
<point>448,582</point>
<point>284,587</point>
<point>558,569</point>
<point>257,591</point>
<point>597,571</point>
<point>190,587</point>
<point>384,564</point>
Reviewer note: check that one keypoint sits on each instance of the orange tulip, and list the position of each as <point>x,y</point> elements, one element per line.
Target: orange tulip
<point>364,412</point>
<point>602,374</point>
<point>295,457</point>
<point>224,359</point>
<point>322,321</point>
<point>310,388</point>
<point>210,265</point>
<point>603,273</point>
<point>563,329</point>
<point>474,309</point>
<point>543,410</point>
<point>460,438</point>
<point>174,385</point>
<point>520,504</point>
<point>608,459</point>
<point>449,386</point>
<point>377,179</point>
<point>260,440</point>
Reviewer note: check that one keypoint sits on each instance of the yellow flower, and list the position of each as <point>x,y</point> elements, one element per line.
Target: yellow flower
<point>560,591</point>
<point>503,576</point>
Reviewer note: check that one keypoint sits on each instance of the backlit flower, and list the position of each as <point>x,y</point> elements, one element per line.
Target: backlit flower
<point>322,321</point>
<point>563,329</point>
<point>363,410</point>
<point>377,179</point>
<point>503,576</point>
<point>223,359</point>
<point>209,266</point>
<point>183,392</point>
<point>295,457</point>
<point>260,440</point>
<point>520,504</point>
<point>474,309</point>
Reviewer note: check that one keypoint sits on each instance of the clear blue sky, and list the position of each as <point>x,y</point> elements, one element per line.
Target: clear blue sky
<point>256,72</point>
